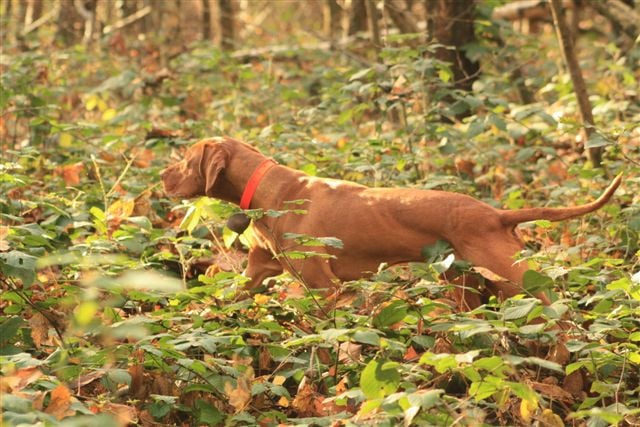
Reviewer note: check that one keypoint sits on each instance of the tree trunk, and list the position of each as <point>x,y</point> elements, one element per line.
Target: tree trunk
<point>430,7</point>
<point>34,11</point>
<point>70,23</point>
<point>227,24</point>
<point>87,9</point>
<point>453,26</point>
<point>372,13</point>
<point>332,21</point>
<point>625,18</point>
<point>206,19</point>
<point>358,17</point>
<point>20,22</point>
<point>401,16</point>
<point>566,46</point>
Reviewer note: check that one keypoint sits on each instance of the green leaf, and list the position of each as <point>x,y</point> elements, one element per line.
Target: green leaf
<point>366,337</point>
<point>597,140</point>
<point>379,379</point>
<point>392,313</point>
<point>433,252</point>
<point>9,328</point>
<point>310,169</point>
<point>534,281</point>
<point>209,414</point>
<point>483,389</point>
<point>360,74</point>
<point>191,219</point>
<point>20,265</point>
<point>445,75</point>
<point>306,240</point>
<point>86,312</point>
<point>159,409</point>
<point>521,309</point>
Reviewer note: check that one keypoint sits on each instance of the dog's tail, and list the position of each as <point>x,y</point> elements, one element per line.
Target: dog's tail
<point>515,217</point>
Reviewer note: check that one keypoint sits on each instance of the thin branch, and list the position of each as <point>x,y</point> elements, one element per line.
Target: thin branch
<point>42,20</point>
<point>44,313</point>
<point>127,20</point>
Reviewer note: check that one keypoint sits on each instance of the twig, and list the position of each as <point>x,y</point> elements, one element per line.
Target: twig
<point>292,270</point>
<point>120,177</point>
<point>127,20</point>
<point>44,313</point>
<point>99,175</point>
<point>43,20</point>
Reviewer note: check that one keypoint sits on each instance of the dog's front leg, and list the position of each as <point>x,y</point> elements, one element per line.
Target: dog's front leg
<point>260,265</point>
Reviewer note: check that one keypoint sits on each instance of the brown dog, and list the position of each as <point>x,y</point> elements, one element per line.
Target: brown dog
<point>375,225</point>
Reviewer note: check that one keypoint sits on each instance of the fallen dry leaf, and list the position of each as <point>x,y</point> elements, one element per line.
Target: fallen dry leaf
<point>308,402</point>
<point>264,360</point>
<point>411,354</point>
<point>70,173</point>
<point>60,402</point>
<point>137,387</point>
<point>574,383</point>
<point>19,379</point>
<point>161,384</point>
<point>4,244</point>
<point>349,352</point>
<point>240,395</point>
<point>553,391</point>
<point>528,409</point>
<point>121,208</point>
<point>549,419</point>
<point>559,354</point>
<point>125,415</point>
<point>142,157</point>
<point>39,329</point>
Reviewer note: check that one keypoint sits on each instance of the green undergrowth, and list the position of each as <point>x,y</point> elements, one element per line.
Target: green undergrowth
<point>121,306</point>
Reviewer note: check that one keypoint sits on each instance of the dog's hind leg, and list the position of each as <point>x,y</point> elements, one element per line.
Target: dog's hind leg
<point>497,253</point>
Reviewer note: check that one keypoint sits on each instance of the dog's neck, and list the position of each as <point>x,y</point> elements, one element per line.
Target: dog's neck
<point>271,190</point>
<point>254,181</point>
<point>276,188</point>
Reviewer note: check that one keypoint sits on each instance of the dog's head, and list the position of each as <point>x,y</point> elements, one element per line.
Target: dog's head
<point>198,172</point>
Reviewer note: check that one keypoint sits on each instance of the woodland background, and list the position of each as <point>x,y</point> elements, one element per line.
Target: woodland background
<point>119,306</point>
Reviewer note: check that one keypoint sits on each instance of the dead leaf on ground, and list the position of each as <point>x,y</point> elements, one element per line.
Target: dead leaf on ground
<point>549,419</point>
<point>87,379</point>
<point>442,346</point>
<point>411,354</point>
<point>264,360</point>
<point>142,157</point>
<point>161,384</point>
<point>121,208</point>
<point>349,352</point>
<point>70,173</point>
<point>4,244</point>
<point>293,290</point>
<point>240,395</point>
<point>553,391</point>
<point>37,400</point>
<point>125,415</point>
<point>39,329</point>
<point>137,387</point>
<point>559,354</point>
<point>308,402</point>
<point>574,383</point>
<point>60,403</point>
<point>19,379</point>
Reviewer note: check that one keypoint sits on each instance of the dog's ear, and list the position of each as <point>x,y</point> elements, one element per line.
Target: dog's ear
<point>213,160</point>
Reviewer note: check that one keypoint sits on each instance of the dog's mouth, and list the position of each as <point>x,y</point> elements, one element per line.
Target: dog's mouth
<point>169,184</point>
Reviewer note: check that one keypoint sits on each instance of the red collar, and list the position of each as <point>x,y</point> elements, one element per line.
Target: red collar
<point>254,181</point>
